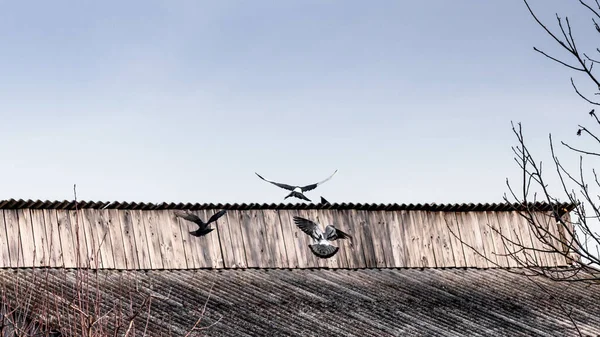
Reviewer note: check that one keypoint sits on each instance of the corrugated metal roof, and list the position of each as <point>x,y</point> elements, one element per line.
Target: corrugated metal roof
<point>456,207</point>
<point>368,302</point>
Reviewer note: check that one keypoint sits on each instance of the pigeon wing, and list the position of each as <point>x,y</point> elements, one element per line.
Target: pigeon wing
<point>324,201</point>
<point>284,186</point>
<point>313,186</point>
<point>308,227</point>
<point>332,234</point>
<point>216,216</point>
<point>189,217</point>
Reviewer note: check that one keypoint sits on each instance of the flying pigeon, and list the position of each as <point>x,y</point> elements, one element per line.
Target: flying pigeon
<point>203,228</point>
<point>297,191</point>
<point>322,246</point>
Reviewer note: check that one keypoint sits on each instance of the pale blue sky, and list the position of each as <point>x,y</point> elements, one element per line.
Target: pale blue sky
<point>184,100</point>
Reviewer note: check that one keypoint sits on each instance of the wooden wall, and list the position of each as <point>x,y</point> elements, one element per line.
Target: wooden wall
<point>136,239</point>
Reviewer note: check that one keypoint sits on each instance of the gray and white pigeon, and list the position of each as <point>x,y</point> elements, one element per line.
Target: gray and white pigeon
<point>322,246</point>
<point>203,228</point>
<point>297,191</point>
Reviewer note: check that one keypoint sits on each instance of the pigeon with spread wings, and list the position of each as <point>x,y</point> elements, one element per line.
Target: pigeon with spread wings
<point>203,228</point>
<point>297,191</point>
<point>322,246</point>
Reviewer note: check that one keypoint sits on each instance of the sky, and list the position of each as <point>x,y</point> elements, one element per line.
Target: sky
<point>183,101</point>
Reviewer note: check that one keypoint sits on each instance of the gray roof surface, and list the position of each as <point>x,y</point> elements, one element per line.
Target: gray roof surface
<point>322,302</point>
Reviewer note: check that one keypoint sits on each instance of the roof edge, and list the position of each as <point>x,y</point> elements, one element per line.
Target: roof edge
<point>455,207</point>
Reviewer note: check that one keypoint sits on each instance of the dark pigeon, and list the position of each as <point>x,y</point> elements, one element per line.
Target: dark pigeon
<point>203,228</point>
<point>297,191</point>
<point>322,246</point>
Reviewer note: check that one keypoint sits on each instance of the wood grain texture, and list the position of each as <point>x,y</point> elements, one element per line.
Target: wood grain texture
<point>157,239</point>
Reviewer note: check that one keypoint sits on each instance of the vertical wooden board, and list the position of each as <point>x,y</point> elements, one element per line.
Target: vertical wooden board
<point>128,236</point>
<point>487,239</point>
<point>441,240</point>
<point>499,249</point>
<point>411,248</point>
<point>14,238</point>
<point>4,246</point>
<point>40,237</point>
<point>556,259</point>
<point>55,252</point>
<point>225,241</point>
<point>87,218</point>
<point>116,237</point>
<point>369,242</point>
<point>252,238</point>
<point>172,245</point>
<point>274,238</point>
<point>527,229</point>
<point>378,233</point>
<point>295,241</point>
<point>566,231</point>
<point>385,237</point>
<point>428,247</point>
<point>69,249</point>
<point>455,235</point>
<point>237,241</point>
<point>303,240</point>
<point>514,254</point>
<point>214,243</point>
<point>193,254</point>
<point>313,260</point>
<point>399,250</point>
<point>420,256</point>
<point>105,245</point>
<point>81,258</point>
<point>150,221</point>
<point>27,240</point>
<point>470,230</point>
<point>521,225</point>
<point>336,218</point>
<point>141,244</point>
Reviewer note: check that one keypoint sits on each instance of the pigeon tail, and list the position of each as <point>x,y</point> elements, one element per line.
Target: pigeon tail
<point>323,251</point>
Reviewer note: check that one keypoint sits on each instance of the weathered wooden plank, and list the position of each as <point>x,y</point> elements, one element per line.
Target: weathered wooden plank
<point>172,245</point>
<point>399,249</point>
<point>55,252</point>
<point>521,225</point>
<point>379,234</point>
<point>294,241</point>
<point>528,228</point>
<point>102,229</point>
<point>471,235</point>
<point>193,255</point>
<point>480,218</point>
<point>87,218</point>
<point>141,244</point>
<point>455,235</point>
<point>432,252</point>
<point>252,238</point>
<point>4,246</point>
<point>128,236</point>
<point>225,241</point>
<point>213,239</point>
<point>40,238</point>
<point>150,221</point>
<point>79,241</point>
<point>113,223</point>
<point>566,234</point>
<point>361,227</point>
<point>422,251</point>
<point>67,239</point>
<point>538,234</point>
<point>237,241</point>
<point>509,237</point>
<point>498,250</point>
<point>441,240</point>
<point>27,240</point>
<point>14,238</point>
<point>551,237</point>
<point>274,238</point>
